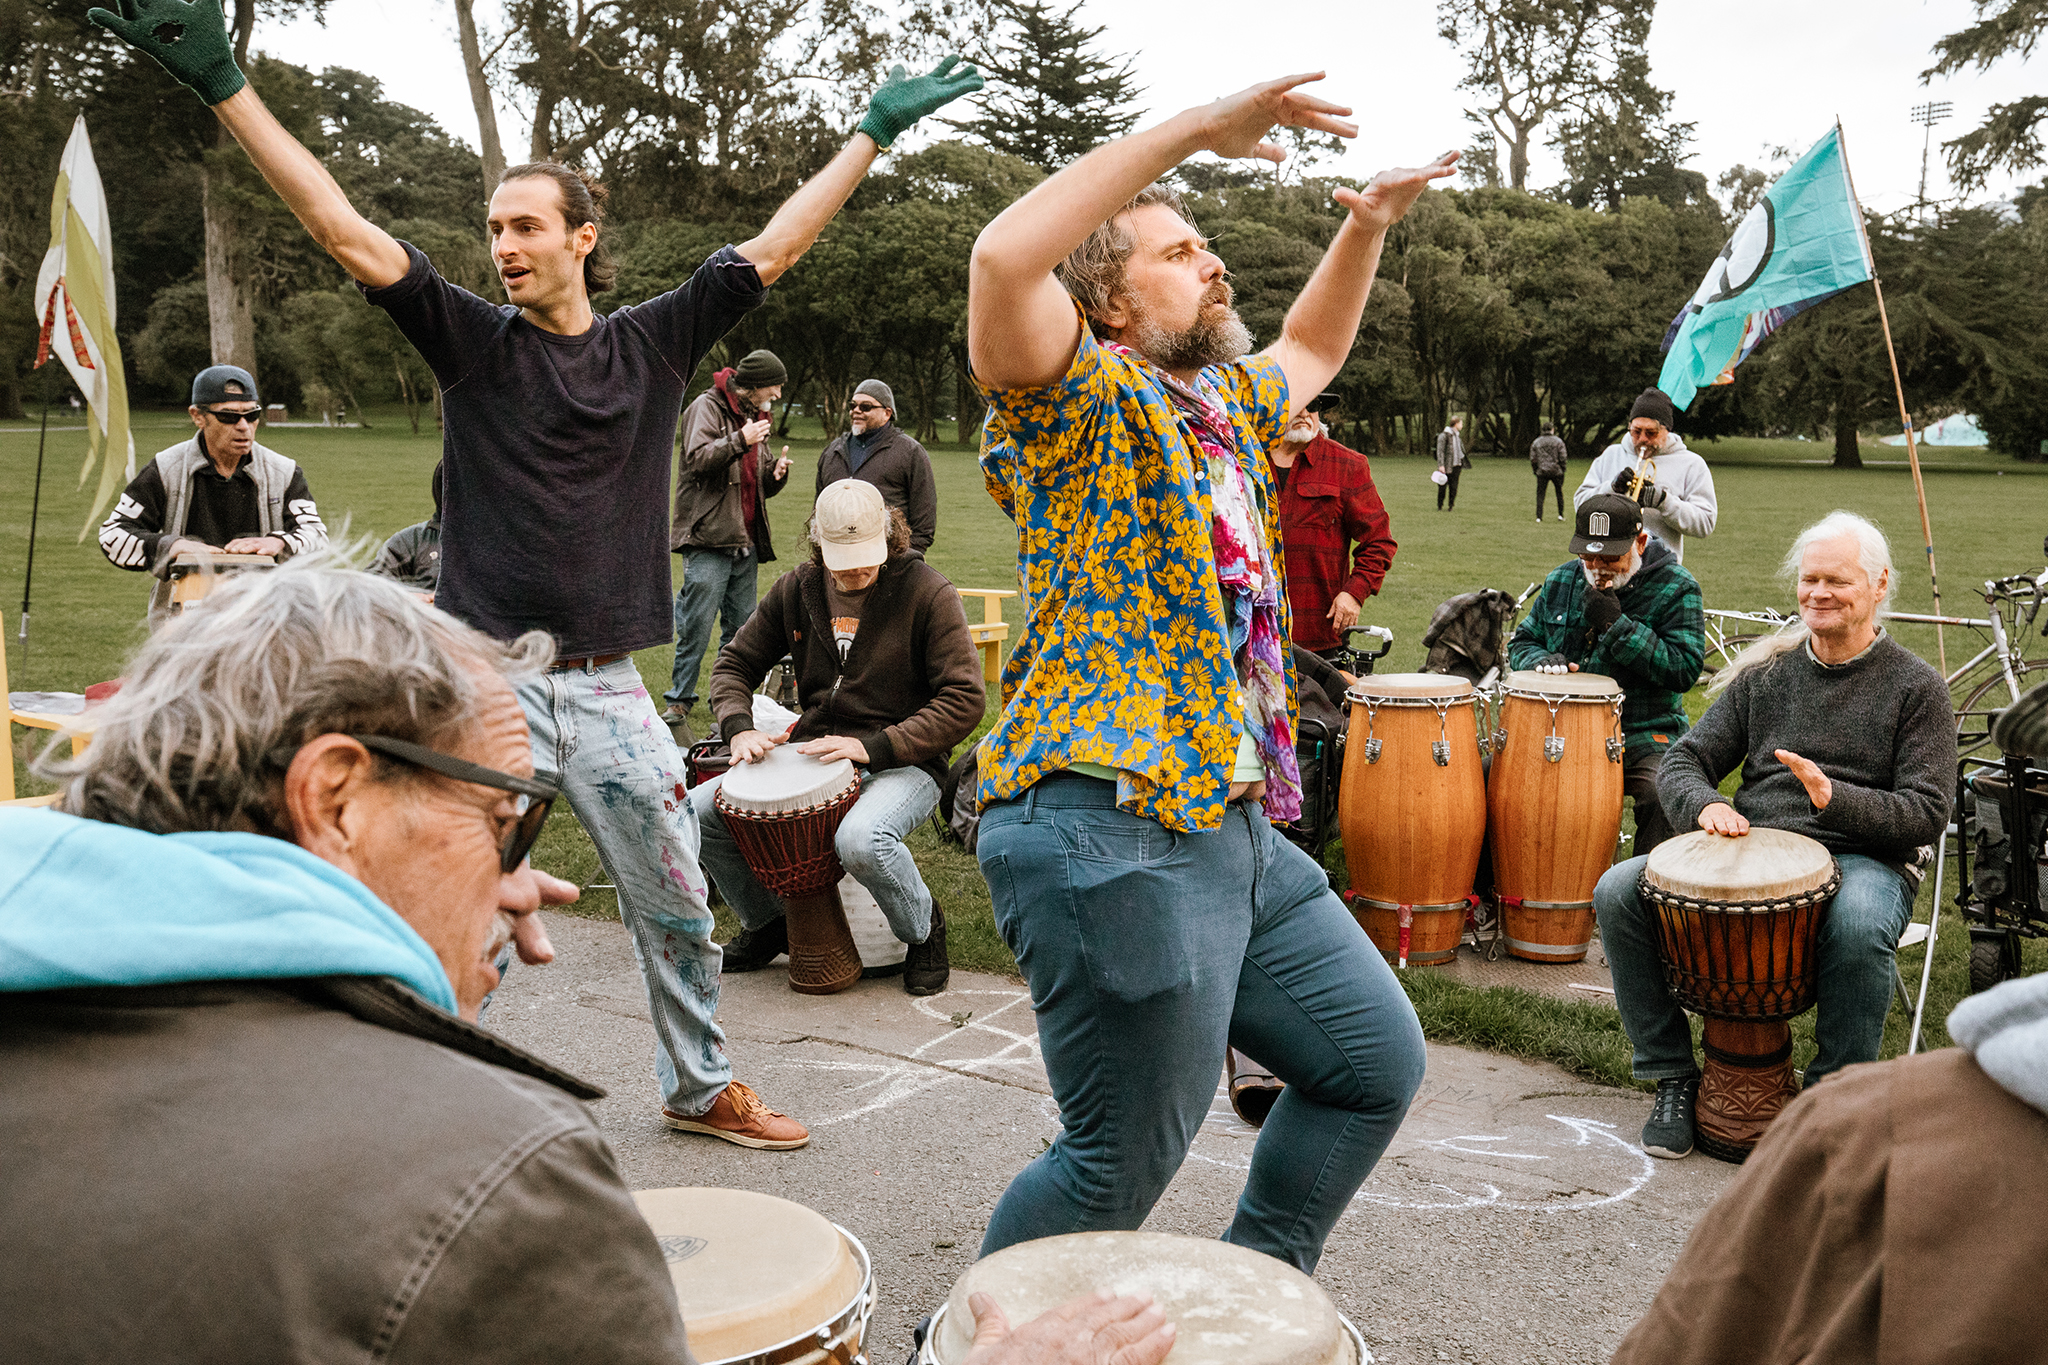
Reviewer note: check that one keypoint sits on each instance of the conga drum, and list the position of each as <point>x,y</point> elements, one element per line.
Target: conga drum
<point>1229,1305</point>
<point>783,812</point>
<point>1737,922</point>
<point>1553,808</point>
<point>760,1280</point>
<point>193,576</point>
<point>1412,809</point>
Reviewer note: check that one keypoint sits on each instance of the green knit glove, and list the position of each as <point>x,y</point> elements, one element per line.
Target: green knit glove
<point>903,100</point>
<point>189,40</point>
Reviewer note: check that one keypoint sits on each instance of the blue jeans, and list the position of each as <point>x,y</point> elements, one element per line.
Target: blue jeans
<point>869,843</point>
<point>1147,951</point>
<point>716,583</point>
<point>1858,940</point>
<point>597,730</point>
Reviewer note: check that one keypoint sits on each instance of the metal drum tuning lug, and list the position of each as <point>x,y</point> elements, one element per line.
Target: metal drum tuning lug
<point>1553,749</point>
<point>1372,751</point>
<point>1614,750</point>
<point>1440,750</point>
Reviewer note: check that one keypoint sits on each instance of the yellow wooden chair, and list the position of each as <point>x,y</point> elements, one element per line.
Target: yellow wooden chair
<point>79,726</point>
<point>989,633</point>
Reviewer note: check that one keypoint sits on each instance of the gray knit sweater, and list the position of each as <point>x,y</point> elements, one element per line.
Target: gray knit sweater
<point>1880,726</point>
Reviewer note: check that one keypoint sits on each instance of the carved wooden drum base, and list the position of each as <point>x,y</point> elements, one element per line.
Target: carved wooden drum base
<point>1748,1080</point>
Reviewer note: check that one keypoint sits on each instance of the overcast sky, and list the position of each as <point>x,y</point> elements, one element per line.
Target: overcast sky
<point>1747,73</point>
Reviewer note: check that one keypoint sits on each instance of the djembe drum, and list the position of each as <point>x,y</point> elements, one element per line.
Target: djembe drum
<point>1230,1305</point>
<point>1412,808</point>
<point>782,812</point>
<point>1553,808</point>
<point>760,1280</point>
<point>1737,922</point>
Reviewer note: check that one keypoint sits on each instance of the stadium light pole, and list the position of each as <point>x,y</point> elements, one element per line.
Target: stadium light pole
<point>1927,115</point>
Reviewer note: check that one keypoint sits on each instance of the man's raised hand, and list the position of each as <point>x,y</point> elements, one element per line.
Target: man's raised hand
<point>189,40</point>
<point>1391,194</point>
<point>1237,124</point>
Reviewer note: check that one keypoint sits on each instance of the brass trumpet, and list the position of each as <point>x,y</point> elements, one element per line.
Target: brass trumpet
<point>1646,472</point>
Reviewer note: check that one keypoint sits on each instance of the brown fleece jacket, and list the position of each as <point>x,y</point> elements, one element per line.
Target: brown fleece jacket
<point>911,685</point>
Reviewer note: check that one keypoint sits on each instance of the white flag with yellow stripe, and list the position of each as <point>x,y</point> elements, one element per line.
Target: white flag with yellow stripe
<point>75,311</point>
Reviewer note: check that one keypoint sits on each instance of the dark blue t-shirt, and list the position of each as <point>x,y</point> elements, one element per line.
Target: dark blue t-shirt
<point>556,451</point>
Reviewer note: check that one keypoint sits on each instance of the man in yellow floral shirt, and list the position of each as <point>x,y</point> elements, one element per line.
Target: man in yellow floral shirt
<point>1147,740</point>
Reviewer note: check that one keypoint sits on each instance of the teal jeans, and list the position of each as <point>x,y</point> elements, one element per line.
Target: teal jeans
<point>1147,951</point>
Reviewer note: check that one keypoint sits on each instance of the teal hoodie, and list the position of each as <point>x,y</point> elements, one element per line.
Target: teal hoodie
<point>89,904</point>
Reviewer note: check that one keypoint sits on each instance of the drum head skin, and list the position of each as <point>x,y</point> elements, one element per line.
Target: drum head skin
<point>1409,686</point>
<point>751,1270</point>
<point>1528,682</point>
<point>786,780</point>
<point>1231,1305</point>
<point>1764,864</point>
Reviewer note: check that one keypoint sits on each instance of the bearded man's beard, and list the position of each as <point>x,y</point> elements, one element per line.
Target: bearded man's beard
<point>1615,581</point>
<point>1214,339</point>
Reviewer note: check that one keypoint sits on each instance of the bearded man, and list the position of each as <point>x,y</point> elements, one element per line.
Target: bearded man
<point>1146,744</point>
<point>1627,609</point>
<point>1327,501</point>
<point>1677,490</point>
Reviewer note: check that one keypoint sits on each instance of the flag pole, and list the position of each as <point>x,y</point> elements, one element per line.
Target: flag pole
<point>1905,417</point>
<point>28,577</point>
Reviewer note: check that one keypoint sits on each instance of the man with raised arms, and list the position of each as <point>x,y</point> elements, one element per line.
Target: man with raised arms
<point>560,420</point>
<point>1147,741</point>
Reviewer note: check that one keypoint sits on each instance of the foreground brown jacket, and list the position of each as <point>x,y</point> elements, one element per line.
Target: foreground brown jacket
<point>911,687</point>
<point>317,1170</point>
<point>1896,1215</point>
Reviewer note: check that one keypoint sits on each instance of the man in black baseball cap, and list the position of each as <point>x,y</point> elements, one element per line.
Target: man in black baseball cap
<point>220,491</point>
<point>1625,608</point>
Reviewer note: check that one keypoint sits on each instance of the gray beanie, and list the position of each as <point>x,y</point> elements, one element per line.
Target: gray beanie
<point>877,390</point>
<point>759,370</point>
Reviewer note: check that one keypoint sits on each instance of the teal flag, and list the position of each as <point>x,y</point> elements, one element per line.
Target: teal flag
<point>1802,244</point>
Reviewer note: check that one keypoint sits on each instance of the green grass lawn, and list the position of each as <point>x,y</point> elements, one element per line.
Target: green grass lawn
<point>1988,517</point>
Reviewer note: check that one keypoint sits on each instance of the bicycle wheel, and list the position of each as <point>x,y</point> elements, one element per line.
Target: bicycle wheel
<point>1990,695</point>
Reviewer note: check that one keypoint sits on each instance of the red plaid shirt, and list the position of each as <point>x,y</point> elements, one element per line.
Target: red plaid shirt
<point>1329,503</point>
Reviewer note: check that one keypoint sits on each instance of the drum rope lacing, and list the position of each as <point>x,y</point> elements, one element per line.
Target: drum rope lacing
<point>1748,996</point>
<point>1440,747</point>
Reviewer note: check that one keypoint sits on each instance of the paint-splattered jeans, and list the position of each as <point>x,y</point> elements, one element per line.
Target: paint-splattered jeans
<point>595,728</point>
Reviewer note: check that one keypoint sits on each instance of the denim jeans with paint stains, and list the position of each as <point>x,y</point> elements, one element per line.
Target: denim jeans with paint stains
<point>869,842</point>
<point>596,729</point>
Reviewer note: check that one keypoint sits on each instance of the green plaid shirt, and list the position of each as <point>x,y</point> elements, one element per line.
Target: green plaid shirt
<point>1654,651</point>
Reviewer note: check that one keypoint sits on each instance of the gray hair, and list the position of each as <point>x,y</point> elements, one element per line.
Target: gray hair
<point>1873,554</point>
<point>1094,272</point>
<point>213,707</point>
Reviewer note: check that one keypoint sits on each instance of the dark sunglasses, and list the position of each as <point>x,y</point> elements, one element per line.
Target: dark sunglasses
<point>869,407</point>
<point>534,798</point>
<point>234,419</point>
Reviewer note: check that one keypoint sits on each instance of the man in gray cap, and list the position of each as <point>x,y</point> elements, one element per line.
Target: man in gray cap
<point>879,452</point>
<point>723,482</point>
<point>220,491</point>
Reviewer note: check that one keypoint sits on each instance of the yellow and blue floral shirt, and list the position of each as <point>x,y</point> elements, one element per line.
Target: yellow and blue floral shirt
<point>1123,660</point>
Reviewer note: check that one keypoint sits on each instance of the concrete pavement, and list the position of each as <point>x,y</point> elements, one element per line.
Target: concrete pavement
<point>1514,1218</point>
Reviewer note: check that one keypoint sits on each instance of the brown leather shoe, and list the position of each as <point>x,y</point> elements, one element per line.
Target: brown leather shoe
<point>738,1116</point>
<point>1253,1089</point>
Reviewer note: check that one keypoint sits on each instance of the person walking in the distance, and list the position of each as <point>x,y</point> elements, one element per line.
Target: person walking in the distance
<point>1546,461</point>
<point>1450,462</point>
<point>1327,502</point>
<point>560,429</point>
<point>877,451</point>
<point>724,479</point>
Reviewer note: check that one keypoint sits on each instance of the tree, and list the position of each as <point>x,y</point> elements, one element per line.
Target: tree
<point>2009,135</point>
<point>476,67</point>
<point>1532,61</point>
<point>1050,98</point>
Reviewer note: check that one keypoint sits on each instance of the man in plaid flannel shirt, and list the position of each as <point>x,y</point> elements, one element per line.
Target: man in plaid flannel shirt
<point>1327,502</point>
<point>1625,608</point>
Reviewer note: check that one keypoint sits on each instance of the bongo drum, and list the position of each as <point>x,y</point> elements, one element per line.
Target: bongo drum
<point>1737,921</point>
<point>194,575</point>
<point>1412,808</point>
<point>1553,808</point>
<point>1230,1305</point>
<point>761,1281</point>
<point>782,813</point>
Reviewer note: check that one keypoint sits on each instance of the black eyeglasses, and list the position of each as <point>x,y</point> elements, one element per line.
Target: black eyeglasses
<point>534,798</point>
<point>869,407</point>
<point>234,419</point>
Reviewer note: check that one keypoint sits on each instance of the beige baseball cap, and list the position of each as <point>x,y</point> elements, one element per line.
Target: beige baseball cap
<point>851,523</point>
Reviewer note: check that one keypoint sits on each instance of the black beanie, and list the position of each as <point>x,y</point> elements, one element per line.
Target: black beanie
<point>759,370</point>
<point>1652,403</point>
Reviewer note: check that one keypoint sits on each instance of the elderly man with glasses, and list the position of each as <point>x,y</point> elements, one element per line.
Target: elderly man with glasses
<point>220,491</point>
<point>879,452</point>
<point>247,1110</point>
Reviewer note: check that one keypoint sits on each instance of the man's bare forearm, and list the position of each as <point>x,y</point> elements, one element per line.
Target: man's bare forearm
<point>803,215</point>
<point>366,251</point>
